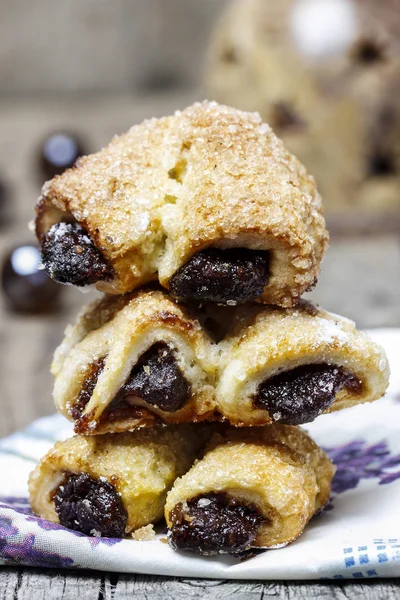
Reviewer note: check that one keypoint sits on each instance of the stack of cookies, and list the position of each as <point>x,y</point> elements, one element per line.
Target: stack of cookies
<point>187,380</point>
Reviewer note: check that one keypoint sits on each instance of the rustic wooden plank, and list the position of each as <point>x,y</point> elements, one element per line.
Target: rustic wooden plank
<point>154,588</point>
<point>40,584</point>
<point>10,581</point>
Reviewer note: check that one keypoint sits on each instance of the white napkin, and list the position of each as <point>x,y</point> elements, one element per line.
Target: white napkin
<point>357,535</point>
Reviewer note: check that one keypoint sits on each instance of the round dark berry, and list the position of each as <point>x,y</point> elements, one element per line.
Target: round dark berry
<point>25,285</point>
<point>58,152</point>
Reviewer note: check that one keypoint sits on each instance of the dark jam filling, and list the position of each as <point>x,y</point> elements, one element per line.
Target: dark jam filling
<point>70,256</point>
<point>300,395</point>
<point>214,524</point>
<point>157,379</point>
<point>91,506</point>
<point>237,275</point>
<point>87,389</point>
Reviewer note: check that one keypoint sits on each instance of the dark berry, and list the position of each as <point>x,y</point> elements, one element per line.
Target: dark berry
<point>158,380</point>
<point>26,287</point>
<point>58,152</point>
<point>70,256</point>
<point>300,395</point>
<point>234,275</point>
<point>214,524</point>
<point>92,506</point>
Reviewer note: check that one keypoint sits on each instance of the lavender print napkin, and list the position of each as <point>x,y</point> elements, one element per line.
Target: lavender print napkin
<point>357,536</point>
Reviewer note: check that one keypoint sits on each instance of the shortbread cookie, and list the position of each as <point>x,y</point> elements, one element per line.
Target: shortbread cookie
<point>254,488</point>
<point>289,366</point>
<point>134,361</point>
<point>208,201</point>
<point>140,359</point>
<point>110,485</point>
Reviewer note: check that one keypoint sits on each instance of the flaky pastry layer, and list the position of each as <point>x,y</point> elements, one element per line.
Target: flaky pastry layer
<point>277,469</point>
<point>251,347</point>
<point>141,466</point>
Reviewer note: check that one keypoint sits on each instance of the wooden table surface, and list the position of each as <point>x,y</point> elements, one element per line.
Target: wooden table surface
<point>360,279</point>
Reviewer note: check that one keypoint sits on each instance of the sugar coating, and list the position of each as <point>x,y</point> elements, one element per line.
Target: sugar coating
<point>256,343</point>
<point>260,344</point>
<point>142,466</point>
<point>170,187</point>
<point>120,331</point>
<point>278,469</point>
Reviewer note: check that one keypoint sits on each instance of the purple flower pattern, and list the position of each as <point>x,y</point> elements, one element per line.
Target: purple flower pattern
<point>358,460</point>
<point>22,551</point>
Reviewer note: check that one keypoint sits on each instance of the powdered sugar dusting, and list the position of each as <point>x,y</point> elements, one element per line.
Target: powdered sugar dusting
<point>330,332</point>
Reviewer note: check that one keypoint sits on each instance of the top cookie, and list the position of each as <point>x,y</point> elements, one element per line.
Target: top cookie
<point>208,201</point>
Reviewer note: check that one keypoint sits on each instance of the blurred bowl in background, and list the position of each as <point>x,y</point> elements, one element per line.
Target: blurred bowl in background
<point>326,75</point>
<point>26,287</point>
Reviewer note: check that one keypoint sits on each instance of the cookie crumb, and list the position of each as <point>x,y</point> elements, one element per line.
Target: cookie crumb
<point>144,534</point>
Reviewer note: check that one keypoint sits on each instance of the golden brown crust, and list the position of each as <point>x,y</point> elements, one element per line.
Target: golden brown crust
<point>262,342</point>
<point>258,342</point>
<point>277,469</point>
<point>207,176</point>
<point>142,466</point>
<point>296,439</point>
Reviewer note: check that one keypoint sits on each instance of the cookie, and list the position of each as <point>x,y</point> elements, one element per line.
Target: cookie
<point>134,361</point>
<point>207,201</point>
<point>141,359</point>
<point>326,77</point>
<point>111,485</point>
<point>289,366</point>
<point>254,488</point>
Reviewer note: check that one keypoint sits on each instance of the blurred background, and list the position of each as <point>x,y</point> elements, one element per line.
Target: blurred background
<point>324,73</point>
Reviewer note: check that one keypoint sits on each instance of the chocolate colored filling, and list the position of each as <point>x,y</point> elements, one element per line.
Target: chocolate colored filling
<point>87,389</point>
<point>157,379</point>
<point>214,524</point>
<point>300,395</point>
<point>92,506</point>
<point>214,275</point>
<point>70,256</point>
